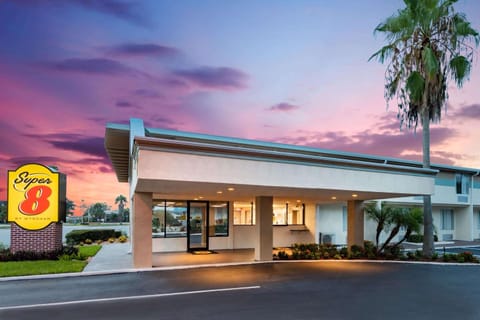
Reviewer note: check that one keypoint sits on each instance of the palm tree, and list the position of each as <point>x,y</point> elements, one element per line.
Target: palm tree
<point>381,215</point>
<point>428,44</point>
<point>120,200</point>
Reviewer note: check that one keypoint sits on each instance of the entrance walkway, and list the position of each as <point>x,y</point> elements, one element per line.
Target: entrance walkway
<point>171,259</point>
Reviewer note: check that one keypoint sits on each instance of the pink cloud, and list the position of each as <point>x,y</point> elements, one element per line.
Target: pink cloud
<point>283,107</point>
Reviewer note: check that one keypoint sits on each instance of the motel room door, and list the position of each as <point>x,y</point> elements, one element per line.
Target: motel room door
<point>197,231</point>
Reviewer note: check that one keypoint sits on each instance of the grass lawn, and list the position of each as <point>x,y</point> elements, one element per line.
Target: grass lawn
<point>24,268</point>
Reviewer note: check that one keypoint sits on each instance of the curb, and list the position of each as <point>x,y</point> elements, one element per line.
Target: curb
<point>219,265</point>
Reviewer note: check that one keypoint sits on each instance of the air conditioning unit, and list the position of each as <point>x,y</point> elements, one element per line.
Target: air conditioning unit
<point>447,237</point>
<point>327,238</point>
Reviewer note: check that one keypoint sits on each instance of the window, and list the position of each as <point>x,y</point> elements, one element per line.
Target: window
<point>169,219</point>
<point>280,214</point>
<point>218,212</point>
<point>462,183</point>
<point>344,218</point>
<point>296,213</point>
<point>447,219</point>
<point>478,220</point>
<point>243,213</point>
<point>283,214</point>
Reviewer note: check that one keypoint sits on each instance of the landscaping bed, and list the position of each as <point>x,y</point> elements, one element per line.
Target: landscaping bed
<point>313,251</point>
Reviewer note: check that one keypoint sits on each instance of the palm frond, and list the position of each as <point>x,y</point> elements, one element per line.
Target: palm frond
<point>415,86</point>
<point>430,62</point>
<point>460,69</point>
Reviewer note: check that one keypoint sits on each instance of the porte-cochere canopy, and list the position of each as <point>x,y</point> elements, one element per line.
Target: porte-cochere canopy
<point>169,165</point>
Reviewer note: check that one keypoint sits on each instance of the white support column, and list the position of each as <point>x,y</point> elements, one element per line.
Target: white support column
<point>355,223</point>
<point>464,223</point>
<point>264,228</point>
<point>141,220</point>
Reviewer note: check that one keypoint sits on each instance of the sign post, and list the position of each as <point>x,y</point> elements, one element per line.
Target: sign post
<point>36,208</point>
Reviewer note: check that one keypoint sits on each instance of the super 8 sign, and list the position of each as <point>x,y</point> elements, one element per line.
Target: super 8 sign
<point>36,196</point>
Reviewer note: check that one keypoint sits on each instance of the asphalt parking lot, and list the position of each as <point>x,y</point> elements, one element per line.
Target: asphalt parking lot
<point>290,290</point>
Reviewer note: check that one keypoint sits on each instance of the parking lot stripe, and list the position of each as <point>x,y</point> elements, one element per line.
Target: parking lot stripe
<point>158,295</point>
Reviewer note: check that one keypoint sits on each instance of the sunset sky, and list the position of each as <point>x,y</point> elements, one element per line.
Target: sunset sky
<point>294,72</point>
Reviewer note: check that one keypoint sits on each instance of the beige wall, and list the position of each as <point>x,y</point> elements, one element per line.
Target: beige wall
<point>167,166</point>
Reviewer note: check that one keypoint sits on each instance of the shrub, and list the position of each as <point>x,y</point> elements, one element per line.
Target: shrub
<point>282,255</point>
<point>417,238</point>
<point>111,240</point>
<point>370,249</point>
<point>81,235</point>
<point>6,255</point>
<point>392,252</point>
<point>122,238</point>
<point>88,241</point>
<point>356,252</point>
<point>467,257</point>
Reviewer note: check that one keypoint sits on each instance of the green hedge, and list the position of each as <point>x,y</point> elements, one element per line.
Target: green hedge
<point>417,238</point>
<point>80,235</point>
<point>6,255</point>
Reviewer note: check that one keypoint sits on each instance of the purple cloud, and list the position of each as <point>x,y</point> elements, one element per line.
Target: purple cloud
<point>91,66</point>
<point>468,112</point>
<point>145,49</point>
<point>122,104</point>
<point>384,142</point>
<point>90,145</point>
<point>222,78</point>
<point>283,107</point>
<point>46,160</point>
<point>128,11</point>
<point>147,93</point>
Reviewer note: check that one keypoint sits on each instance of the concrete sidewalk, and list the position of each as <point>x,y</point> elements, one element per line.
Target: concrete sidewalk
<point>112,257</point>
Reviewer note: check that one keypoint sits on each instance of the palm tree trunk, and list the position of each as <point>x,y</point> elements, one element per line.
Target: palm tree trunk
<point>427,200</point>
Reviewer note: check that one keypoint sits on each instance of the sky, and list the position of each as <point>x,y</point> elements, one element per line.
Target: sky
<point>294,72</point>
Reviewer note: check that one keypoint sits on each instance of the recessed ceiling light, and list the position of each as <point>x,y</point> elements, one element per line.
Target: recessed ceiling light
<point>299,200</point>
<point>354,195</point>
<point>200,197</point>
<point>334,198</point>
<point>231,189</point>
<point>219,192</point>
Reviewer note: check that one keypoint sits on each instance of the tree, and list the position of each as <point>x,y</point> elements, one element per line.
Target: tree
<point>70,208</point>
<point>380,215</point>
<point>429,44</point>
<point>3,212</point>
<point>97,211</point>
<point>121,200</point>
<point>393,219</point>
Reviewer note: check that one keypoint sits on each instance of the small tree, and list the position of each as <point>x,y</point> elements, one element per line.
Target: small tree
<point>393,219</point>
<point>120,200</point>
<point>380,215</point>
<point>3,213</point>
<point>70,208</point>
<point>97,211</point>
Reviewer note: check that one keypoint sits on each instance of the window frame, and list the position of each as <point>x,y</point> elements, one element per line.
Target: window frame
<point>212,215</point>
<point>450,215</point>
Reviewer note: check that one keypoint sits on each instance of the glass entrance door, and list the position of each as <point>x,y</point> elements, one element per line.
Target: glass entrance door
<point>197,235</point>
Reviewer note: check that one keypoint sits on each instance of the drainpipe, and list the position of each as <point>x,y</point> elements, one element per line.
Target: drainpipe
<point>471,187</point>
<point>471,200</point>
